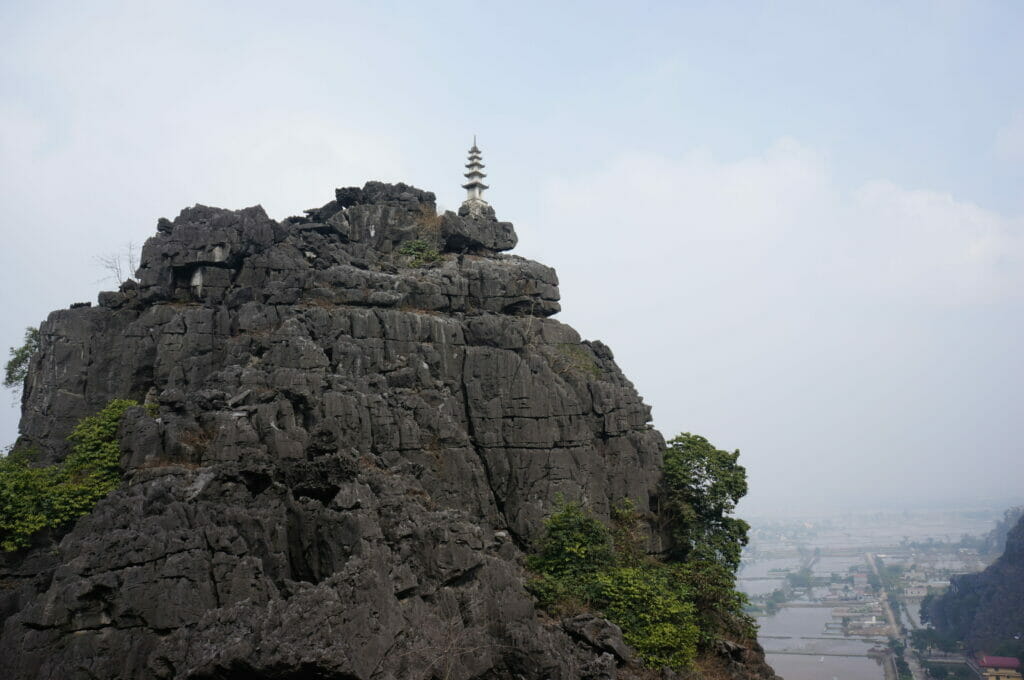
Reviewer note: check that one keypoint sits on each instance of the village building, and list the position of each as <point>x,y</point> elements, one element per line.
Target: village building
<point>999,667</point>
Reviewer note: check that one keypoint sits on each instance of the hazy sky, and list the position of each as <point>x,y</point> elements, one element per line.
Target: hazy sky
<point>799,226</point>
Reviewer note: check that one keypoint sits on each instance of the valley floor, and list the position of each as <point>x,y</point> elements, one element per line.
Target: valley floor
<point>830,594</point>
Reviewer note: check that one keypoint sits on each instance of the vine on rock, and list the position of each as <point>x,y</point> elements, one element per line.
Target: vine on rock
<point>37,498</point>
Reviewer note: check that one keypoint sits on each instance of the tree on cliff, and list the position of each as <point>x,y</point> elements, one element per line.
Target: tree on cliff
<point>669,610</point>
<point>702,486</point>
<point>17,367</point>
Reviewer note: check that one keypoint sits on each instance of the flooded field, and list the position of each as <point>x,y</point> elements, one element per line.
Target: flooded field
<point>800,646</point>
<point>793,667</point>
<point>768,568</point>
<point>759,586</point>
<point>794,622</point>
<point>828,565</point>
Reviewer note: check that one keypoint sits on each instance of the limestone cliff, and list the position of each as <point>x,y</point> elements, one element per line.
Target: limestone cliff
<point>986,610</point>
<point>362,417</point>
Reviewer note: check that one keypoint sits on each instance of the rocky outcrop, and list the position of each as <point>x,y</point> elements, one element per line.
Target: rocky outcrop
<point>985,609</point>
<point>352,447</point>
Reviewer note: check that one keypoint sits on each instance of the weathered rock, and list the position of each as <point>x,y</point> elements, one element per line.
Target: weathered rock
<point>350,455</point>
<point>600,634</point>
<point>463,233</point>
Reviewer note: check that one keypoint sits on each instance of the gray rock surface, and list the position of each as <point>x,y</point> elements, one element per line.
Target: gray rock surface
<point>350,456</point>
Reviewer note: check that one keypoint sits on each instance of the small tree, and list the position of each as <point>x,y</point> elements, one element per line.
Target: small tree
<point>702,485</point>
<point>17,367</point>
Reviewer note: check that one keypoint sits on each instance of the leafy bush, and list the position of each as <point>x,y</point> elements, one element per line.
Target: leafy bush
<point>574,544</point>
<point>654,609</point>
<point>720,607</point>
<point>583,564</point>
<point>667,609</point>
<point>420,252</point>
<point>36,498</point>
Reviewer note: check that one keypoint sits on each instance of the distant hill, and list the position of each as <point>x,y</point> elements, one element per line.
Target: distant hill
<point>994,542</point>
<point>986,610</point>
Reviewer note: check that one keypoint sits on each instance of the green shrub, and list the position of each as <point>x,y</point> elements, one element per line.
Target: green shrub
<point>721,609</point>
<point>574,544</point>
<point>654,611</point>
<point>36,498</point>
<point>420,252</point>
<point>23,492</point>
<point>667,610</point>
<point>581,563</point>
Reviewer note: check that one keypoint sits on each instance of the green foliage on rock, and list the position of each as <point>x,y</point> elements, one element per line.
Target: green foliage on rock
<point>702,486</point>
<point>17,367</point>
<point>420,252</point>
<point>653,606</point>
<point>37,498</point>
<point>580,564</point>
<point>667,609</point>
<point>720,607</point>
<point>574,545</point>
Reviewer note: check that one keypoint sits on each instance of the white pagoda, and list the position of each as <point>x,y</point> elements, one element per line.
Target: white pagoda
<point>474,205</point>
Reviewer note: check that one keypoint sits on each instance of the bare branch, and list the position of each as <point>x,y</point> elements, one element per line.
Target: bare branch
<point>120,266</point>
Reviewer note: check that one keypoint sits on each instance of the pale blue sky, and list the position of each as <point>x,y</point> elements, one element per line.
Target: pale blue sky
<point>800,226</point>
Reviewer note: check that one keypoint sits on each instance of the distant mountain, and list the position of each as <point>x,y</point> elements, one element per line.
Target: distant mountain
<point>995,540</point>
<point>986,609</point>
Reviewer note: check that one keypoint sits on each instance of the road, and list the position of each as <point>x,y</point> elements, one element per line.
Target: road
<point>883,597</point>
<point>915,669</point>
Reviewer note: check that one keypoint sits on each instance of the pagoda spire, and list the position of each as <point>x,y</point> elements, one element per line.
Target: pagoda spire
<point>474,205</point>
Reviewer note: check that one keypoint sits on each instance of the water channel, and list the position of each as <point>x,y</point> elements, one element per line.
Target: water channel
<point>797,642</point>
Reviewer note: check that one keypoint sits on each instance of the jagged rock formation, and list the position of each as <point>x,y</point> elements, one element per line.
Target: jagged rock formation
<point>987,608</point>
<point>350,455</point>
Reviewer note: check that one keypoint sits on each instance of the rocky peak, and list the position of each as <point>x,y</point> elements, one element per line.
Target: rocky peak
<point>353,250</point>
<point>362,416</point>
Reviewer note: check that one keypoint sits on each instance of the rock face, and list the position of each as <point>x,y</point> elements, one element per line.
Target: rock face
<point>987,608</point>
<point>351,454</point>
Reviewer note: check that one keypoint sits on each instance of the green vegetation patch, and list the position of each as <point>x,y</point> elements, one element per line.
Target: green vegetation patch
<point>702,485</point>
<point>420,252</point>
<point>581,565</point>
<point>37,498</point>
<point>669,610</point>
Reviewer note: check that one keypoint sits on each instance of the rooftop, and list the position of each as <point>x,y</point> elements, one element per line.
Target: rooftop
<point>998,661</point>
